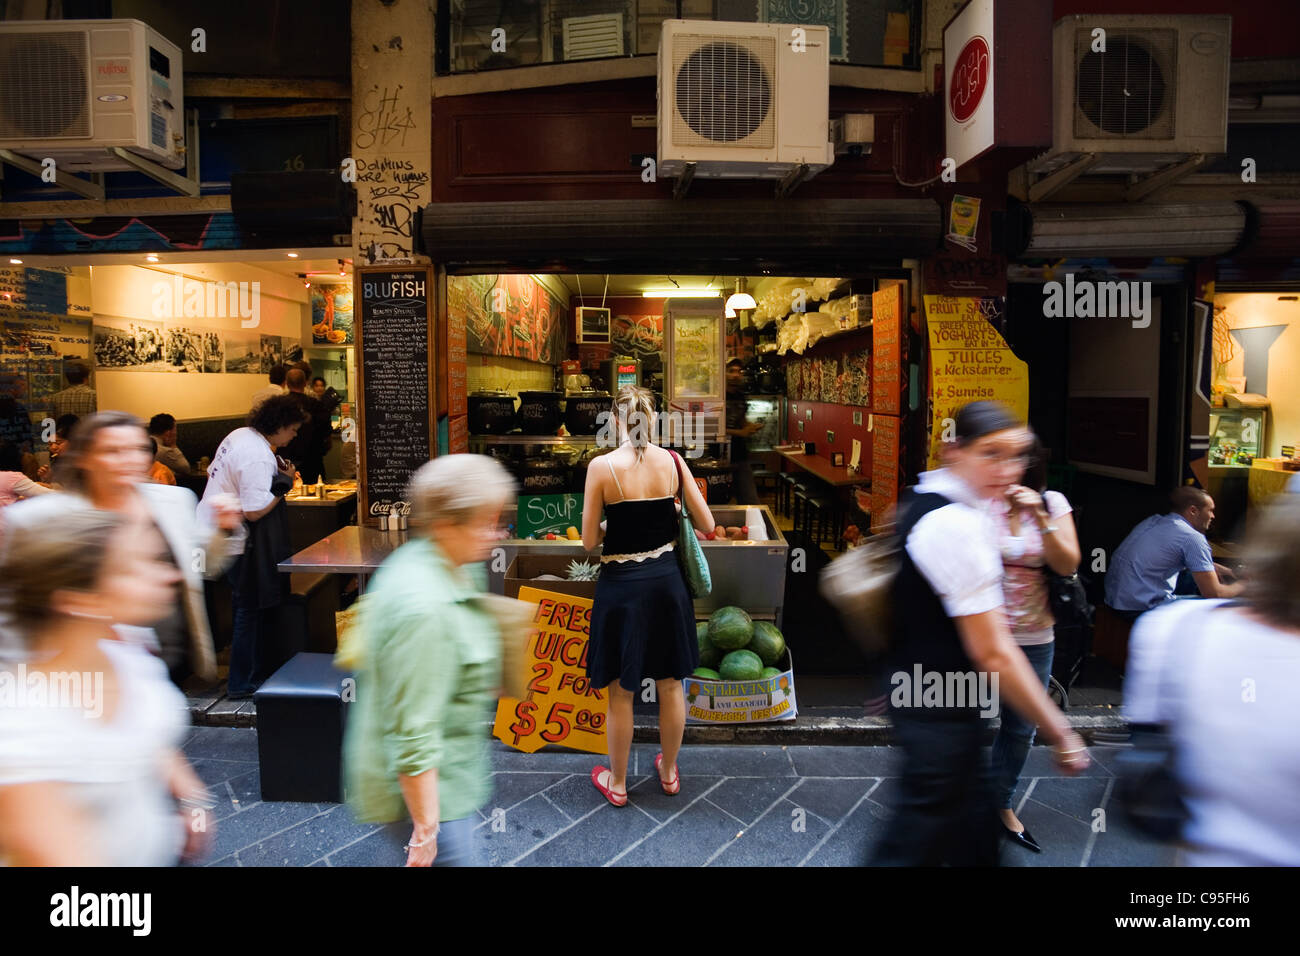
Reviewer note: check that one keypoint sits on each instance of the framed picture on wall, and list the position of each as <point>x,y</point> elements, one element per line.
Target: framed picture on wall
<point>593,325</point>
<point>837,459</point>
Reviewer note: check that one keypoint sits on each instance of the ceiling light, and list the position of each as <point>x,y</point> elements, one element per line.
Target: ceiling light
<point>15,262</point>
<point>292,255</point>
<point>680,294</point>
<point>741,300</point>
<point>731,313</point>
<point>151,258</point>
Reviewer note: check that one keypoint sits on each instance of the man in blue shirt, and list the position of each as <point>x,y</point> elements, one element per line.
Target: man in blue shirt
<point>1144,569</point>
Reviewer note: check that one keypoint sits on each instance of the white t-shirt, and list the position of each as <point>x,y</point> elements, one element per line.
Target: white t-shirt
<point>115,773</point>
<point>244,466</point>
<point>955,547</point>
<point>1226,684</point>
<point>1024,585</point>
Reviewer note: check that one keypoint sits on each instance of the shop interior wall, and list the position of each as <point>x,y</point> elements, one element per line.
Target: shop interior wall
<point>125,294</point>
<point>641,335</point>
<point>1250,310</point>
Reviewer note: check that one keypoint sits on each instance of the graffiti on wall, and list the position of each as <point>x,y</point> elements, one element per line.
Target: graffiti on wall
<point>390,186</point>
<point>512,315</point>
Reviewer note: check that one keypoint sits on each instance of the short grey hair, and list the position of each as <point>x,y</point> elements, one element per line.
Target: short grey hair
<point>454,488</point>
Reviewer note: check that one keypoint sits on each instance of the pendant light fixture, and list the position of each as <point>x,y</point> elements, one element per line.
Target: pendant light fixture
<point>740,299</point>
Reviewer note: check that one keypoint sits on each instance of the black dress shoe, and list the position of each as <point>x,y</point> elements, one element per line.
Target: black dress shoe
<point>1024,838</point>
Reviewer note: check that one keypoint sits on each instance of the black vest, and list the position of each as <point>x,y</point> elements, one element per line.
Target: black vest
<point>924,634</point>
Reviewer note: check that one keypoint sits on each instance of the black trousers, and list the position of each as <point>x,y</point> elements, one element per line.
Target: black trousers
<point>946,813</point>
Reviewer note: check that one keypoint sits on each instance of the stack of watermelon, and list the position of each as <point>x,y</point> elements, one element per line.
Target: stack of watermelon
<point>739,647</point>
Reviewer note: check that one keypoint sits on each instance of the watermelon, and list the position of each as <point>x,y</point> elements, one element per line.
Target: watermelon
<point>741,665</point>
<point>707,673</point>
<point>730,628</point>
<point>770,672</point>
<point>767,642</point>
<point>710,656</point>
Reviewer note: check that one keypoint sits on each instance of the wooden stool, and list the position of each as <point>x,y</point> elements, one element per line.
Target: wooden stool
<point>800,506</point>
<point>1110,637</point>
<point>818,513</point>
<point>785,491</point>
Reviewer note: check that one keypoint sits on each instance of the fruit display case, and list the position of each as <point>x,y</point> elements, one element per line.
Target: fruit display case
<point>747,573</point>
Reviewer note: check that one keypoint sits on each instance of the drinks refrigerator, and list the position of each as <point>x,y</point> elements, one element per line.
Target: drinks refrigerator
<point>1237,436</point>
<point>622,370</point>
<point>695,380</point>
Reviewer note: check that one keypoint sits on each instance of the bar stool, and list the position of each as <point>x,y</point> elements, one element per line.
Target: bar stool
<point>785,491</point>
<point>819,516</point>
<point>765,481</point>
<point>800,506</point>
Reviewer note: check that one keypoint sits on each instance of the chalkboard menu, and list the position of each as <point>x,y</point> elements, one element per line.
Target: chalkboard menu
<point>395,363</point>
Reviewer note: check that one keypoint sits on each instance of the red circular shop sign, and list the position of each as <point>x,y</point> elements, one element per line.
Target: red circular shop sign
<point>970,77</point>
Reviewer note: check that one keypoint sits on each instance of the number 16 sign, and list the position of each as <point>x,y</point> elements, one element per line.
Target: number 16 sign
<point>560,706</point>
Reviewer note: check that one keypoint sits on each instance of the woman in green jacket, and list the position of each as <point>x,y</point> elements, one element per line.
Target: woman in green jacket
<point>430,668</point>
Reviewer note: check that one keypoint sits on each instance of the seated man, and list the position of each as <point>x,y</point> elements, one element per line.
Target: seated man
<point>162,429</point>
<point>1145,567</point>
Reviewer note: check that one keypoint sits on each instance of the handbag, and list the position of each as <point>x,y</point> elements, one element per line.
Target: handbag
<point>860,584</point>
<point>695,567</point>
<point>514,620</point>
<point>1147,785</point>
<point>1068,599</point>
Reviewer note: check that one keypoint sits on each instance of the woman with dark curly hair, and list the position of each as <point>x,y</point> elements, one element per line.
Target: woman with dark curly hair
<point>247,467</point>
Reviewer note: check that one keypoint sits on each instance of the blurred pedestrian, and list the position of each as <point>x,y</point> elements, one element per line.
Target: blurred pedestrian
<point>740,431</point>
<point>107,460</point>
<point>247,469</point>
<point>1222,677</point>
<point>91,772</point>
<point>1035,533</point>
<point>162,429</point>
<point>643,616</point>
<point>949,626</point>
<point>431,668</point>
<point>78,398</point>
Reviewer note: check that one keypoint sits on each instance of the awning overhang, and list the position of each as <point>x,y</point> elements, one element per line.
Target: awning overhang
<point>1118,231</point>
<point>815,237</point>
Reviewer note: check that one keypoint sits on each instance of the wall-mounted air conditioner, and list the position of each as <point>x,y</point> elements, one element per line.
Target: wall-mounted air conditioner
<point>1141,92</point>
<point>743,100</point>
<point>69,89</point>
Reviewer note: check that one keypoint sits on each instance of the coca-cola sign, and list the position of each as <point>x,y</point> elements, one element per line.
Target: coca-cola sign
<point>969,80</point>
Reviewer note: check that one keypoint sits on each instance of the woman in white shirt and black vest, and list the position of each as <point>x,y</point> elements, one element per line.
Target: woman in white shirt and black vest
<point>950,623</point>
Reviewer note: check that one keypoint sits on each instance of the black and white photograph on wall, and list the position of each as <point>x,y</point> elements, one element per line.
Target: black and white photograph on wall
<point>291,349</point>
<point>272,352</point>
<point>128,344</point>
<point>183,349</point>
<point>214,352</point>
<point>243,353</point>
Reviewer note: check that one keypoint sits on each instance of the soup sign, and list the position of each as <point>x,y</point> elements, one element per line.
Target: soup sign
<point>548,514</point>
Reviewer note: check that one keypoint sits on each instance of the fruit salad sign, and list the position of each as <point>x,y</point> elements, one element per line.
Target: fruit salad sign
<point>561,706</point>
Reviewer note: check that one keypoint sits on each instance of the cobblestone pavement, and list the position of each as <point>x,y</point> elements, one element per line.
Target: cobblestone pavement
<point>739,806</point>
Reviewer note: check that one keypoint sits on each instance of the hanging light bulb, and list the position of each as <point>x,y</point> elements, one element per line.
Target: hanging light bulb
<point>740,299</point>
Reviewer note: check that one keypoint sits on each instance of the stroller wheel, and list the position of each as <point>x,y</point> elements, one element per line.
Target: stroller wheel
<point>1056,690</point>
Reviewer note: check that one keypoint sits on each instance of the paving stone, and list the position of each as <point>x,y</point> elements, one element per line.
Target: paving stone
<point>649,796</point>
<point>1121,845</point>
<point>1040,763</point>
<point>1062,837</point>
<point>509,789</point>
<point>231,860</point>
<point>575,796</point>
<point>247,788</point>
<point>216,772</point>
<point>829,797</point>
<point>736,760</point>
<point>746,798</point>
<point>525,826</point>
<point>544,761</point>
<point>1074,796</point>
<point>258,823</point>
<point>846,761</point>
<point>773,840</point>
<point>690,840</point>
<point>377,849</point>
<point>852,843</point>
<point>308,841</point>
<point>222,743</point>
<point>594,840</point>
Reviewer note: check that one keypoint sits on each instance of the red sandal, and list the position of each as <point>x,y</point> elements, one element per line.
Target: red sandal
<point>617,799</point>
<point>671,787</point>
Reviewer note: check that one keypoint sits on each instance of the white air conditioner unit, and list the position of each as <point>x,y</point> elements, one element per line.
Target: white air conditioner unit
<point>743,100</point>
<point>69,89</point>
<point>587,38</point>
<point>1156,95</point>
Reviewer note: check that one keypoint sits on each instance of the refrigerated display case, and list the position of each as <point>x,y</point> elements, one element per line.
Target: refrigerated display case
<point>1237,436</point>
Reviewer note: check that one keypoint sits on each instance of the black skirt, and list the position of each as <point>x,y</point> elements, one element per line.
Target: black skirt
<point>642,624</point>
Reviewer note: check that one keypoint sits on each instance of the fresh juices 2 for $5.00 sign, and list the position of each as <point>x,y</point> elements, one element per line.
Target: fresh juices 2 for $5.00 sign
<point>561,707</point>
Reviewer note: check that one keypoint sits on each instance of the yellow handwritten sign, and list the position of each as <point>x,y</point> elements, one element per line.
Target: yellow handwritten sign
<point>969,362</point>
<point>561,706</point>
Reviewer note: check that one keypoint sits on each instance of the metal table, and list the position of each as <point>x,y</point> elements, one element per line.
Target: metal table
<point>351,550</point>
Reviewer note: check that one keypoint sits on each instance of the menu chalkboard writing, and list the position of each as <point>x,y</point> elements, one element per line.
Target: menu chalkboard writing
<point>395,359</point>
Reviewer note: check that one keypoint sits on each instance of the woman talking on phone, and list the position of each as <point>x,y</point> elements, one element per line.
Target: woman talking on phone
<point>1035,532</point>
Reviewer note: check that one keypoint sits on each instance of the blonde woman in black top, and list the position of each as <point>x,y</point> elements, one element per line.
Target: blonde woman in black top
<point>643,616</point>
